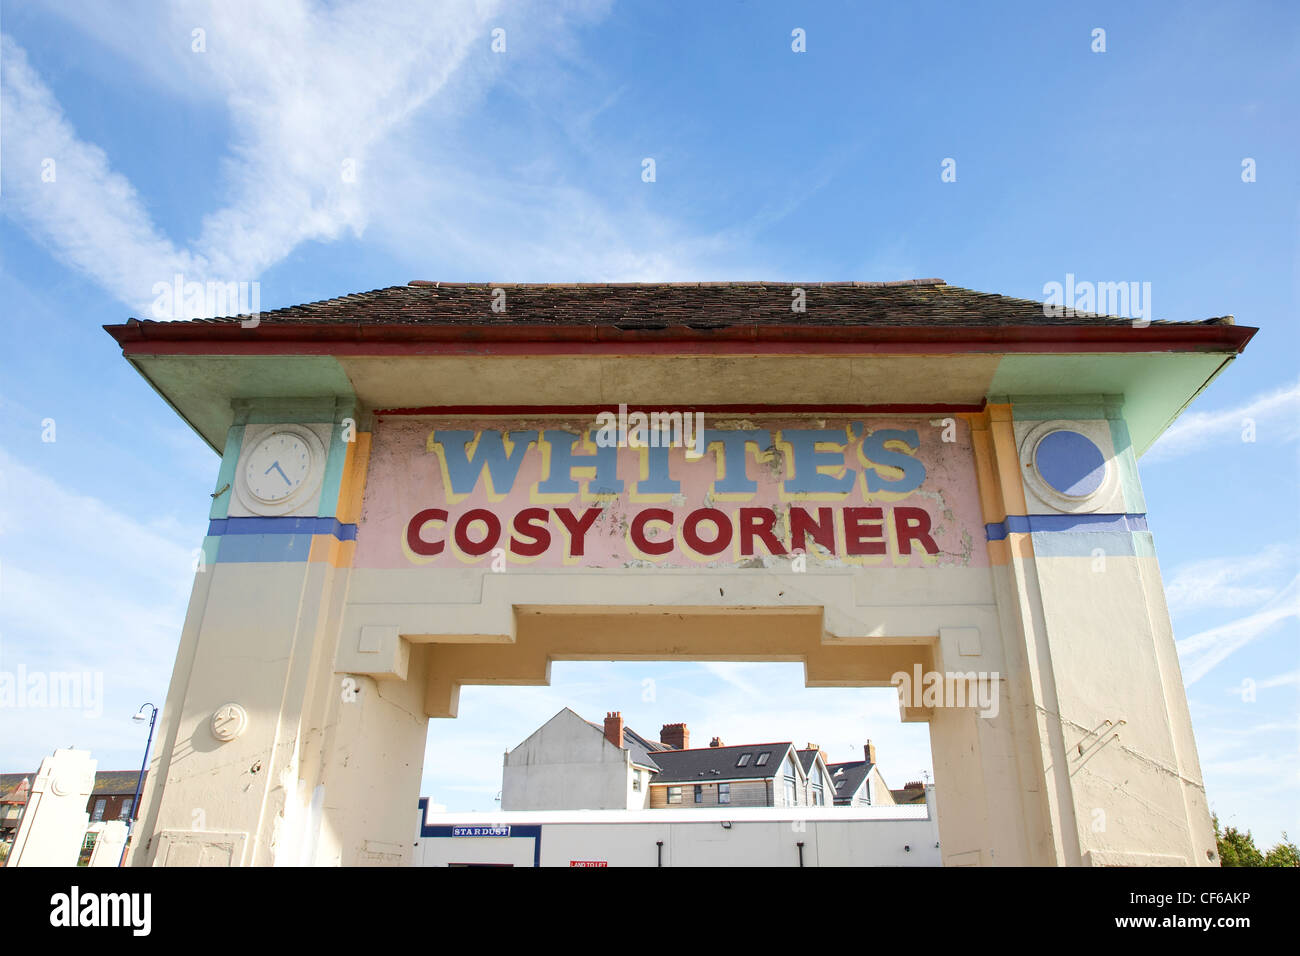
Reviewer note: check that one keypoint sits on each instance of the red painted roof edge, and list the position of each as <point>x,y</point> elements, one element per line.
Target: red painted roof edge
<point>363,338</point>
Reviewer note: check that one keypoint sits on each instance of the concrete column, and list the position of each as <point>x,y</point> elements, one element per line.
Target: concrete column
<point>1096,737</point>
<point>54,820</point>
<point>259,729</point>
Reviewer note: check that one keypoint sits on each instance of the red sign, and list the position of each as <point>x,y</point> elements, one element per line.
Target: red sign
<point>588,863</point>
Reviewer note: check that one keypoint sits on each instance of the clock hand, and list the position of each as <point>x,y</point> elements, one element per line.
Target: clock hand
<point>276,466</point>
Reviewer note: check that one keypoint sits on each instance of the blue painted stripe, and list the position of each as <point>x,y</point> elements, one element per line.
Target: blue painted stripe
<point>254,548</point>
<point>287,525</point>
<point>1040,524</point>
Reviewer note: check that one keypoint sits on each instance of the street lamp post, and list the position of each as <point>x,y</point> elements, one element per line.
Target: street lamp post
<point>139,781</point>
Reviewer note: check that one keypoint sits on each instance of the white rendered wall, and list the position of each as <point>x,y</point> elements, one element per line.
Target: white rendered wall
<point>567,765</point>
<point>832,836</point>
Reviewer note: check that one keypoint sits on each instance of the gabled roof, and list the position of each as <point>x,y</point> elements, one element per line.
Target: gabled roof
<point>701,307</point>
<point>117,782</point>
<point>848,778</point>
<point>11,786</point>
<point>638,748</point>
<point>711,764</point>
<point>364,346</point>
<point>107,782</point>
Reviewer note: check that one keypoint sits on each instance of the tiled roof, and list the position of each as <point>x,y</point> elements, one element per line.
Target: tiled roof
<point>697,306</point>
<point>719,763</point>
<point>9,782</point>
<point>909,794</point>
<point>848,777</point>
<point>106,782</point>
<point>117,781</point>
<point>638,747</point>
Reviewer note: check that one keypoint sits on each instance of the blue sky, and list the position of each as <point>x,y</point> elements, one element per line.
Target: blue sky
<point>526,165</point>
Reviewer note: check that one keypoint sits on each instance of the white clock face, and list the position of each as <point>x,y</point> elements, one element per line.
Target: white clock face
<point>277,467</point>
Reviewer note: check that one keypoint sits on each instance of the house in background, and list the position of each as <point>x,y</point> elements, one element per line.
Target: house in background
<point>573,764</point>
<point>748,775</point>
<point>113,795</point>
<point>858,783</point>
<point>111,798</point>
<point>913,792</point>
<point>14,790</point>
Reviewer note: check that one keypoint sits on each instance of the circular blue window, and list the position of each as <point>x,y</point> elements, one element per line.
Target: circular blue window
<point>1070,463</point>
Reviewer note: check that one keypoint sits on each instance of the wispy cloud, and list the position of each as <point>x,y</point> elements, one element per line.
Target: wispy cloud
<point>313,93</point>
<point>1203,652</point>
<point>1238,581</point>
<point>1275,416</point>
<point>85,588</point>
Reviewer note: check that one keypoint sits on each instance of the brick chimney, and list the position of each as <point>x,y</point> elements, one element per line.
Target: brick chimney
<point>869,751</point>
<point>614,728</point>
<point>715,742</point>
<point>675,735</point>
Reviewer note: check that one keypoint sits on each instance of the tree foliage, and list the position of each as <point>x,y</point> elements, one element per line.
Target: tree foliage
<point>1238,849</point>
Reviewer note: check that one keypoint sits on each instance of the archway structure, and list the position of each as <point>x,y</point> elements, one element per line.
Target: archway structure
<point>904,484</point>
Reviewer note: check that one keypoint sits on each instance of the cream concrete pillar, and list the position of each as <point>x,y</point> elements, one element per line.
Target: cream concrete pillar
<point>53,823</point>
<point>259,731</point>
<point>1093,751</point>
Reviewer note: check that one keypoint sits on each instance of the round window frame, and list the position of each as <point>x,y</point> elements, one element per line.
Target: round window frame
<point>1091,502</point>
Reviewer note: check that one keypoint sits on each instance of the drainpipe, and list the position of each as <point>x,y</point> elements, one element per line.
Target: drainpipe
<point>800,846</point>
<point>659,852</point>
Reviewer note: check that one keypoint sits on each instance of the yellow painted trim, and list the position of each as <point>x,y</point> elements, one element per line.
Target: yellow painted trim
<point>1006,461</point>
<point>332,551</point>
<point>355,469</point>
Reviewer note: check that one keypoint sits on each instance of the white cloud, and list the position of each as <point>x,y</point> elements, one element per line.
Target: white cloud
<point>1203,652</point>
<point>307,87</point>
<point>1238,581</point>
<point>1276,418</point>
<point>84,588</point>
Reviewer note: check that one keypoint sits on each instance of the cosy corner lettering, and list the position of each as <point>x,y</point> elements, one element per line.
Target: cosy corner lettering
<point>554,495</point>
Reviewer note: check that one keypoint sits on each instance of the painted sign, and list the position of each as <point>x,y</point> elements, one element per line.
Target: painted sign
<point>547,494</point>
<point>481,831</point>
<point>573,863</point>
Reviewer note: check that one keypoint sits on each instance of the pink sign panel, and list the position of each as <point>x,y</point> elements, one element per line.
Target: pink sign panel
<point>690,492</point>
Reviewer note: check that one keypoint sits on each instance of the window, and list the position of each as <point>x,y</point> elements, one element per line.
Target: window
<point>789,792</point>
<point>724,793</point>
<point>763,758</point>
<point>744,759</point>
<point>99,809</point>
<point>674,794</point>
<point>699,793</point>
<point>126,808</point>
<point>636,780</point>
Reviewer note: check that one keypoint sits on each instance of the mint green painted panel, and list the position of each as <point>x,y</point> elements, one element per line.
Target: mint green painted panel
<point>211,545</point>
<point>333,479</point>
<point>226,474</point>
<point>202,387</point>
<point>1134,501</point>
<point>1156,386</point>
<point>1144,545</point>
